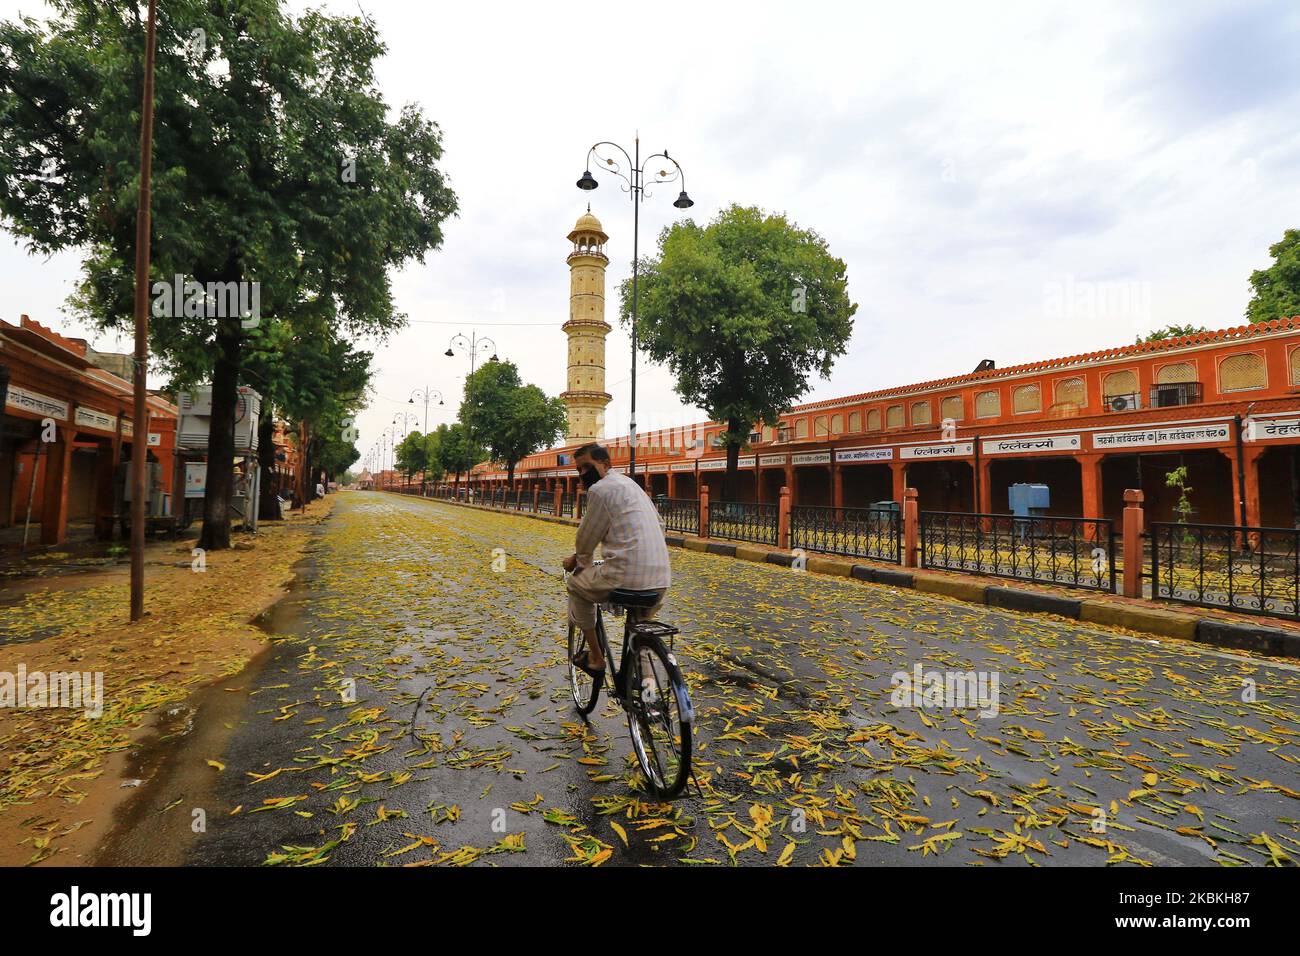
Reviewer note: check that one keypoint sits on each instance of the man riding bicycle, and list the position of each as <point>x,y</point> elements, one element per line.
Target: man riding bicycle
<point>620,517</point>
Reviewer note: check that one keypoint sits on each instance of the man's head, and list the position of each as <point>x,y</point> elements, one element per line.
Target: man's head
<point>592,462</point>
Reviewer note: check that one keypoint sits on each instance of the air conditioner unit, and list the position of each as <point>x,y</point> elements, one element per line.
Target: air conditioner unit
<point>785,433</point>
<point>196,418</point>
<point>197,402</point>
<point>1123,403</point>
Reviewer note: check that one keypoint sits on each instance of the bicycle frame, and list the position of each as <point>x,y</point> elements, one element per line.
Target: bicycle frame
<point>614,671</point>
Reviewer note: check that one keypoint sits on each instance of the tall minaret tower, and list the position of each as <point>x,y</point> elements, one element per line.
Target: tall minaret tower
<point>586,397</point>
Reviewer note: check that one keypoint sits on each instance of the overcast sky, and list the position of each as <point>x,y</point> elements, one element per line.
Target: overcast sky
<point>1004,180</point>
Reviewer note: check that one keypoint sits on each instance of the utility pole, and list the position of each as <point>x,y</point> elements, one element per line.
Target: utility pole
<point>140,432</point>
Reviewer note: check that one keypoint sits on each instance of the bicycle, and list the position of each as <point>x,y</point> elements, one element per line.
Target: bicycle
<point>646,683</point>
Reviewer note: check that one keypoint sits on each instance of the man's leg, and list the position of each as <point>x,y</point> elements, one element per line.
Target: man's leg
<point>582,612</point>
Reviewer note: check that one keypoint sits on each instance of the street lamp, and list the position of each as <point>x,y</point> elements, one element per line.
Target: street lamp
<point>471,346</point>
<point>636,183</point>
<point>391,435</point>
<point>425,395</point>
<point>404,419</point>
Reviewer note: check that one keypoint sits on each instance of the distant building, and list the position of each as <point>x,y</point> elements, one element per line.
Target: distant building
<point>60,388</point>
<point>1225,404</point>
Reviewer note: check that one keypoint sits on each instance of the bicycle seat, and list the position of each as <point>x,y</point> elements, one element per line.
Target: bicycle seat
<point>629,598</point>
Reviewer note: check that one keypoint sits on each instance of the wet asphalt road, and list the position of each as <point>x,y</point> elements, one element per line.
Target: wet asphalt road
<point>1104,748</point>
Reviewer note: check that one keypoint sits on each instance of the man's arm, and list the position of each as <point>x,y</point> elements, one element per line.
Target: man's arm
<point>592,529</point>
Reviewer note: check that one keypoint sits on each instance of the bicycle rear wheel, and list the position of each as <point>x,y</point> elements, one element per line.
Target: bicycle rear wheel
<point>659,716</point>
<point>585,690</point>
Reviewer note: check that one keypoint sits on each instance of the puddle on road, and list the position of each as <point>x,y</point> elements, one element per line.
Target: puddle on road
<point>157,825</point>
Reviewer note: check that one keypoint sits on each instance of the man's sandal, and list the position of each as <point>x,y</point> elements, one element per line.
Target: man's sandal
<point>579,661</point>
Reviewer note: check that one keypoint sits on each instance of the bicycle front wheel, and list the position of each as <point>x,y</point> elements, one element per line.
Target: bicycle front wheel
<point>659,716</point>
<point>585,690</point>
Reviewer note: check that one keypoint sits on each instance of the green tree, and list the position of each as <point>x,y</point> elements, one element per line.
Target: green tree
<point>1170,332</point>
<point>276,170</point>
<point>314,379</point>
<point>456,453</point>
<point>1277,288</point>
<point>433,468</point>
<point>413,454</point>
<point>742,311</point>
<point>511,419</point>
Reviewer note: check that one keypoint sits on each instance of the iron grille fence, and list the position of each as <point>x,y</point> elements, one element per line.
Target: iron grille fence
<point>857,532</point>
<point>546,503</point>
<point>566,505</point>
<point>1254,570</point>
<point>679,514</point>
<point>754,521</point>
<point>1076,552</point>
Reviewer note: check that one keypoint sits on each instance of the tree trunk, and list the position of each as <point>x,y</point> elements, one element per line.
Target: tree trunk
<point>733,459</point>
<point>221,438</point>
<point>300,474</point>
<point>268,505</point>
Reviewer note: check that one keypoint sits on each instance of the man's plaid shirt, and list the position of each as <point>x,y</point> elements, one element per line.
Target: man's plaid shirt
<point>620,517</point>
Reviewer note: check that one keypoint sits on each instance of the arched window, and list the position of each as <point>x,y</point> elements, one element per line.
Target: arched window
<point>1119,383</point>
<point>820,428</point>
<point>855,422</point>
<point>837,424</point>
<point>1025,399</point>
<point>1295,366</point>
<point>1238,373</point>
<point>988,405</point>
<point>951,408</point>
<point>1070,391</point>
<point>873,416</point>
<point>801,428</point>
<point>894,416</point>
<point>1175,373</point>
<point>920,413</point>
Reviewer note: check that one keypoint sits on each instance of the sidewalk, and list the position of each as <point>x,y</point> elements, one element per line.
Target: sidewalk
<point>60,771</point>
<point>1272,637</point>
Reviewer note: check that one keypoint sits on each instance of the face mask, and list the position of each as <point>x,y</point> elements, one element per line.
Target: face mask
<point>589,477</point>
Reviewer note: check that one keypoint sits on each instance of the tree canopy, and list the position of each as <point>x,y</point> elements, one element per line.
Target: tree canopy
<point>1277,288</point>
<point>742,311</point>
<point>511,419</point>
<point>1170,332</point>
<point>276,168</point>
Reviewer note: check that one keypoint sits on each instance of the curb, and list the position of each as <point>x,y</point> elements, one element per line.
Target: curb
<point>1013,599</point>
<point>1243,635</point>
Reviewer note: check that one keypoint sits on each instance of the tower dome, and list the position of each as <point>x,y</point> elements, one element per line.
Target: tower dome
<point>588,224</point>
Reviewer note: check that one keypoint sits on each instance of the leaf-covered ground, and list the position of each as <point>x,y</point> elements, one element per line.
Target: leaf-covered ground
<point>462,746</point>
<point>59,769</point>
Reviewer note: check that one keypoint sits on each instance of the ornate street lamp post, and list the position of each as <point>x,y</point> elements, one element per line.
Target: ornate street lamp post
<point>635,178</point>
<point>472,347</point>
<point>425,395</point>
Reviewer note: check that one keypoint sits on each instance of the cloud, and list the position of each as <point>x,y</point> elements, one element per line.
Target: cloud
<point>960,158</point>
